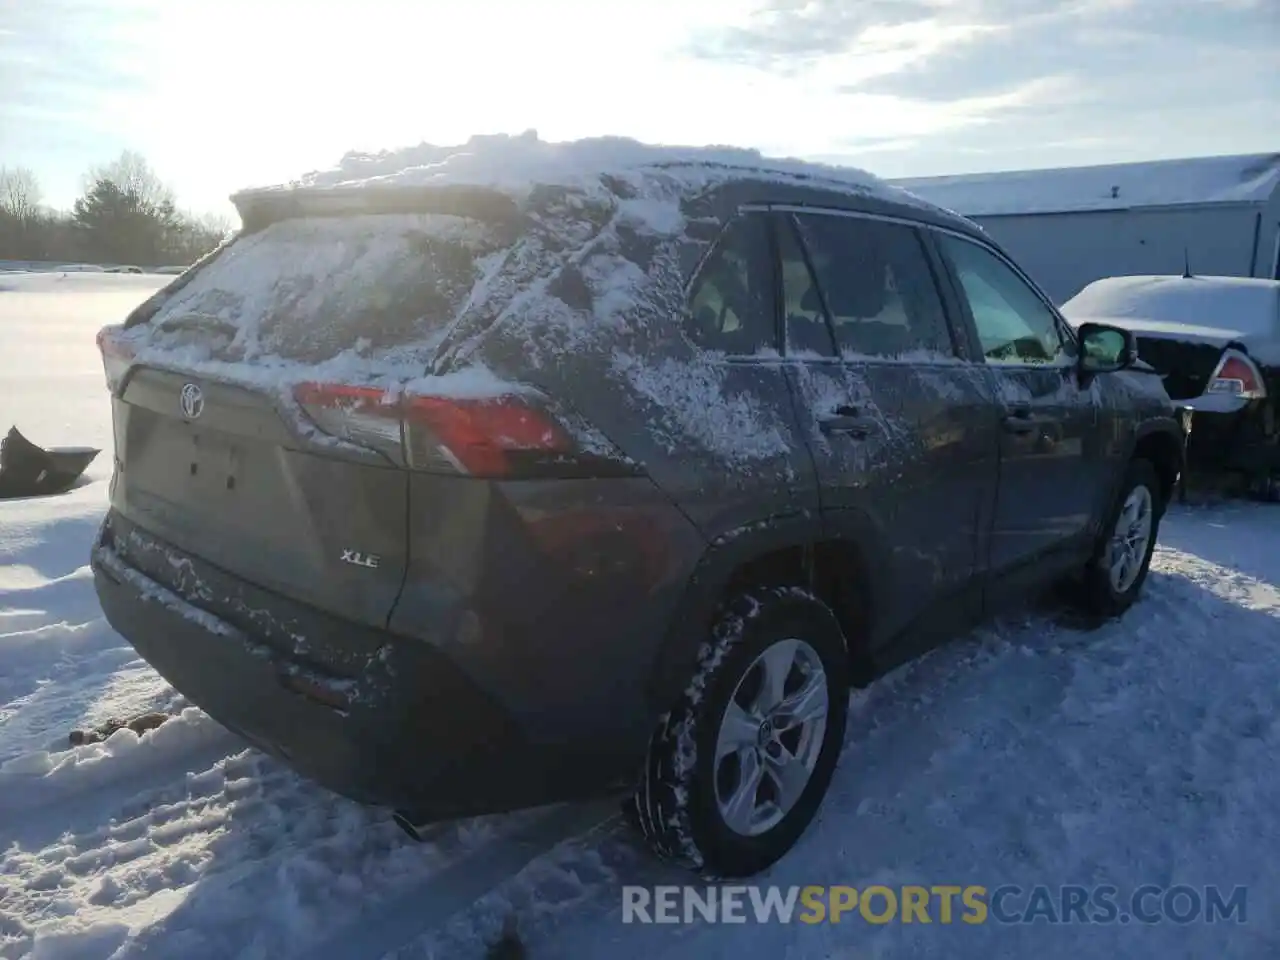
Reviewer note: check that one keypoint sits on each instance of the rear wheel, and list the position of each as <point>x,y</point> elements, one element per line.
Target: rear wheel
<point>1115,575</point>
<point>736,772</point>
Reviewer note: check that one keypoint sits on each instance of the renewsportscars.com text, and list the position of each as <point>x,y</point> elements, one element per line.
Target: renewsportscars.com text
<point>940,903</point>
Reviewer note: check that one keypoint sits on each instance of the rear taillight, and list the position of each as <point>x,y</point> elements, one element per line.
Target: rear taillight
<point>366,416</point>
<point>491,437</point>
<point>116,357</point>
<point>1238,376</point>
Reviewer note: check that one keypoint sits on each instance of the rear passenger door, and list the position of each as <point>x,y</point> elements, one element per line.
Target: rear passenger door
<point>1053,470</point>
<point>921,451</point>
<point>726,444</point>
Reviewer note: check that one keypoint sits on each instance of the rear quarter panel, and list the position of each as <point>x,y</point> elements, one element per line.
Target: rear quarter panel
<point>551,595</point>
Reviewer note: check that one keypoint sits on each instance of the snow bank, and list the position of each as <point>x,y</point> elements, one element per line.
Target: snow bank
<point>34,779</point>
<point>1230,306</point>
<point>139,284</point>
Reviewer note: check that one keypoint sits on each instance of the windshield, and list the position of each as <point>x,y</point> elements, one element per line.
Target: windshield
<point>309,288</point>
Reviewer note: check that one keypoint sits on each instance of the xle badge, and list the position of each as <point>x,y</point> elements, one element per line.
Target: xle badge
<point>356,558</point>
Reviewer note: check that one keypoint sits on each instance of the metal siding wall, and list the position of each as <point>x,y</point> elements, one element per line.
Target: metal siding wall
<point>1268,263</point>
<point>1065,251</point>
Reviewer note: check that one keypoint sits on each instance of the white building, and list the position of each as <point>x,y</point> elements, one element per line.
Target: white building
<point>1070,226</point>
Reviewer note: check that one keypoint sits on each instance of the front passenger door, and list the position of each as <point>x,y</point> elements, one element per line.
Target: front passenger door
<point>1052,466</point>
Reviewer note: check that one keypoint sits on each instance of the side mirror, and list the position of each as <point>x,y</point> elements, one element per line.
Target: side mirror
<point>1104,349</point>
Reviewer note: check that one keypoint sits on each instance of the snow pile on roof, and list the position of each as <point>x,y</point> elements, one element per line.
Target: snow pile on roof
<point>1250,178</point>
<point>1241,305</point>
<point>514,164</point>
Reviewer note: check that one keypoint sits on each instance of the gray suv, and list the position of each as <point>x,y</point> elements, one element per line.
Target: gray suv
<point>460,499</point>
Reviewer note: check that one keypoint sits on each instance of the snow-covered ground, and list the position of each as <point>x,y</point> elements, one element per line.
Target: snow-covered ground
<point>1030,752</point>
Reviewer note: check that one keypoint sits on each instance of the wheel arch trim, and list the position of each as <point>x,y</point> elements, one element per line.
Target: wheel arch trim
<point>714,571</point>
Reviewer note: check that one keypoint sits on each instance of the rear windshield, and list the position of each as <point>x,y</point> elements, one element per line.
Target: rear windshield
<point>310,288</point>
<point>1232,305</point>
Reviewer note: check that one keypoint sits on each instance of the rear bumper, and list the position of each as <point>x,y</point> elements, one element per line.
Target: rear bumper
<point>1240,436</point>
<point>409,730</point>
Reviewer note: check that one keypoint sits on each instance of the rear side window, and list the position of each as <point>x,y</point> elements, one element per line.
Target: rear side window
<point>877,286</point>
<point>731,305</point>
<point>1014,324</point>
<point>310,288</point>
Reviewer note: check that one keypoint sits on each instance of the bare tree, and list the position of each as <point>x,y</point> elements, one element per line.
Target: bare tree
<point>131,173</point>
<point>216,224</point>
<point>19,193</point>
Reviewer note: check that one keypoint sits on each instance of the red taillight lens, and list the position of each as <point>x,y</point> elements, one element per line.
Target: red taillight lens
<point>493,436</point>
<point>1236,375</point>
<point>489,437</point>
<point>116,357</point>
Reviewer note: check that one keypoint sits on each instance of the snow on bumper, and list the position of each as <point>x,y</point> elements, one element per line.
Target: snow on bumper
<point>411,731</point>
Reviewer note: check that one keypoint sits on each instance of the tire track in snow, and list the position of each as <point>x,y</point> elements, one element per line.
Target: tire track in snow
<point>63,666</point>
<point>426,906</point>
<point>43,794</point>
<point>245,831</point>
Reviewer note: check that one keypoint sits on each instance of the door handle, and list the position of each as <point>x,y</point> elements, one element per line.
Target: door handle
<point>1020,424</point>
<point>847,420</point>
<point>1020,420</point>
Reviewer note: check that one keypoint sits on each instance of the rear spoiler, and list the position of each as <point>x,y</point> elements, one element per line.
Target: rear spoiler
<point>260,207</point>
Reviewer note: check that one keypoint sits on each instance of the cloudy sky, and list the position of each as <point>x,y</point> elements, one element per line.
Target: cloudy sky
<point>219,95</point>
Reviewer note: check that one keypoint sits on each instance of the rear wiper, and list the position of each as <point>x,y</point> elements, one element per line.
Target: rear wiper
<point>199,321</point>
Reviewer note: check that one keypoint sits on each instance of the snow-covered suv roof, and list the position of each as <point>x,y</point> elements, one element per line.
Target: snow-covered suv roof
<point>517,165</point>
<point>533,260</point>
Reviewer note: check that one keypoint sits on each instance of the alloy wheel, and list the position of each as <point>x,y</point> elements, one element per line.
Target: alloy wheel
<point>1130,538</point>
<point>770,737</point>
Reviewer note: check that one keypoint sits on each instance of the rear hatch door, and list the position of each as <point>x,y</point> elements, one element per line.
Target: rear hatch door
<point>214,455</point>
<point>235,487</point>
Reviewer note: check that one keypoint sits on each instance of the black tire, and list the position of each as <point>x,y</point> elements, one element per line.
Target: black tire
<point>1098,595</point>
<point>674,806</point>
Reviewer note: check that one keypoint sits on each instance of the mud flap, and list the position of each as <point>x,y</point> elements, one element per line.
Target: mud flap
<point>27,470</point>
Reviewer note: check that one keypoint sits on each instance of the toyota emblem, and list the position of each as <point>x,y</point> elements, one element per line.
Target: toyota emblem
<point>191,400</point>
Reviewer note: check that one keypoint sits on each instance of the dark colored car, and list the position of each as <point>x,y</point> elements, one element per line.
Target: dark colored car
<point>461,499</point>
<point>1216,343</point>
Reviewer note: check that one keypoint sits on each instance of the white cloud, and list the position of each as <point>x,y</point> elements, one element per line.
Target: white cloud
<point>221,95</point>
